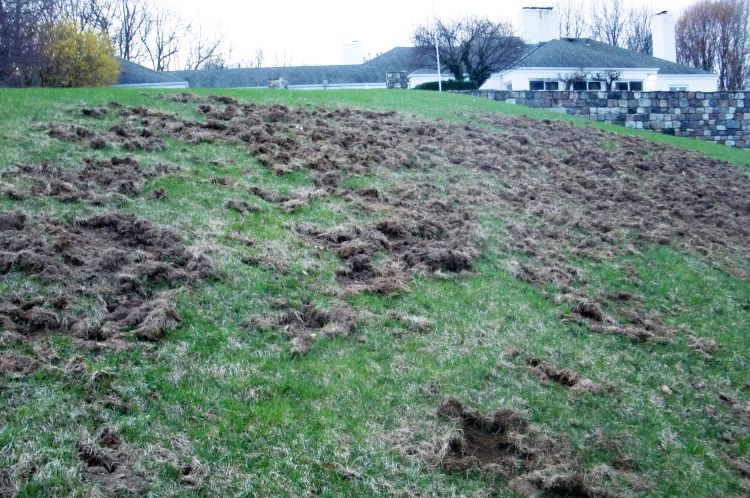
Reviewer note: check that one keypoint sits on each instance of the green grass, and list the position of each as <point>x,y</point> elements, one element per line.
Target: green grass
<point>267,423</point>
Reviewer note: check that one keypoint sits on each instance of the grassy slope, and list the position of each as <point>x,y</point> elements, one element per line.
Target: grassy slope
<point>268,424</point>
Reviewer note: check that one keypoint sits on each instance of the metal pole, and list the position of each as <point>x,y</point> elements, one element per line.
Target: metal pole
<point>437,49</point>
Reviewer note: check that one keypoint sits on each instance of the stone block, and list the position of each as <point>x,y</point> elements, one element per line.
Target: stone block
<point>733,124</point>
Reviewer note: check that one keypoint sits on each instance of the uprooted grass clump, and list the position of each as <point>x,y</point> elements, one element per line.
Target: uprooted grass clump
<point>304,322</point>
<point>94,181</point>
<point>117,263</point>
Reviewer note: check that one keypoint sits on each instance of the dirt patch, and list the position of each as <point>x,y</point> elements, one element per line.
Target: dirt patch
<point>705,348</point>
<point>111,468</point>
<point>413,241</point>
<point>740,465</point>
<point>95,112</point>
<point>639,325</point>
<point>126,136</point>
<point>241,207</point>
<point>506,443</point>
<point>741,410</point>
<point>304,323</point>
<point>566,378</point>
<point>16,364</point>
<point>94,181</point>
<point>105,271</point>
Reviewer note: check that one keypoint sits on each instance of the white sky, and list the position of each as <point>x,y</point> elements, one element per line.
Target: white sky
<point>313,32</point>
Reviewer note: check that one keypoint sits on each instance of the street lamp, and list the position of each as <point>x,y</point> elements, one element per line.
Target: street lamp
<point>437,49</point>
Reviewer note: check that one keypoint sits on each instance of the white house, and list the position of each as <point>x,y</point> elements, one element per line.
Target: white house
<point>550,60</point>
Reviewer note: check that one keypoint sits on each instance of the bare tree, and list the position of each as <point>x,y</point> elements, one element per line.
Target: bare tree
<point>608,21</point>
<point>608,77</point>
<point>20,24</point>
<point>447,37</point>
<point>570,79</point>
<point>131,19</point>
<point>205,50</point>
<point>714,35</point>
<point>491,47</point>
<point>161,37</point>
<point>283,60</point>
<point>573,22</point>
<point>697,36</point>
<point>472,46</point>
<point>258,58</point>
<point>733,57</point>
<point>638,30</point>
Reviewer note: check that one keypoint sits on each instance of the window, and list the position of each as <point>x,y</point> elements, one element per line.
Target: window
<point>579,85</point>
<point>633,86</point>
<point>543,85</point>
<point>595,85</point>
<point>678,88</point>
<point>509,86</point>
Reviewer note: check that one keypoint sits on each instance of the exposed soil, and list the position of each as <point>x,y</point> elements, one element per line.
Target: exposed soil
<point>414,240</point>
<point>241,207</point>
<point>638,326</point>
<point>103,270</point>
<point>126,136</point>
<point>111,467</point>
<point>565,193</point>
<point>94,181</point>
<point>95,112</point>
<point>741,466</point>
<point>16,364</point>
<point>567,196</point>
<point>302,324</point>
<point>506,443</point>
<point>566,378</point>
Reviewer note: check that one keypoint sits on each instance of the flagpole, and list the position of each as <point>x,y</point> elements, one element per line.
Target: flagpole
<point>437,49</point>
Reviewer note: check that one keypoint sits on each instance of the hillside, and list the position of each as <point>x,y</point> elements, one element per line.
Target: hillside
<point>365,293</point>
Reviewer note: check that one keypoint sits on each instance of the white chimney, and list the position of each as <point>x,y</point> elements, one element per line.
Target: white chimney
<point>353,53</point>
<point>539,24</point>
<point>663,33</point>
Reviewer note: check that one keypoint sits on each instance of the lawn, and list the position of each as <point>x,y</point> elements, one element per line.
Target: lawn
<point>224,404</point>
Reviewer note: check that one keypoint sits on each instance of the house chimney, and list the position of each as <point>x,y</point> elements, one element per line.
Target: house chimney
<point>663,33</point>
<point>353,53</point>
<point>539,24</point>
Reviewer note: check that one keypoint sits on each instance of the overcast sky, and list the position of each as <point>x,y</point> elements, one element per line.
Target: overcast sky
<point>313,32</point>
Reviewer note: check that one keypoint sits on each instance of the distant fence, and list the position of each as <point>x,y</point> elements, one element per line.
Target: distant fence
<point>719,117</point>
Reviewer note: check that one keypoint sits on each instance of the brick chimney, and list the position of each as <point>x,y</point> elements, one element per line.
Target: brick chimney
<point>663,32</point>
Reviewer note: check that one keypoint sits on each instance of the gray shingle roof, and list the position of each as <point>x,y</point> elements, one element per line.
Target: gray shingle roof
<point>562,53</point>
<point>373,71</point>
<point>135,74</point>
<point>583,52</point>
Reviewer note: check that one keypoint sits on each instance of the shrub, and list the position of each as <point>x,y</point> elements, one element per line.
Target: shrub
<point>448,85</point>
<point>71,57</point>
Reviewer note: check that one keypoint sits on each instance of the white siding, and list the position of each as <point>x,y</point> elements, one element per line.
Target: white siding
<point>652,80</point>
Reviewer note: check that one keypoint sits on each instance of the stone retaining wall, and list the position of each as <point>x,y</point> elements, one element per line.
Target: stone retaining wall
<point>719,117</point>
